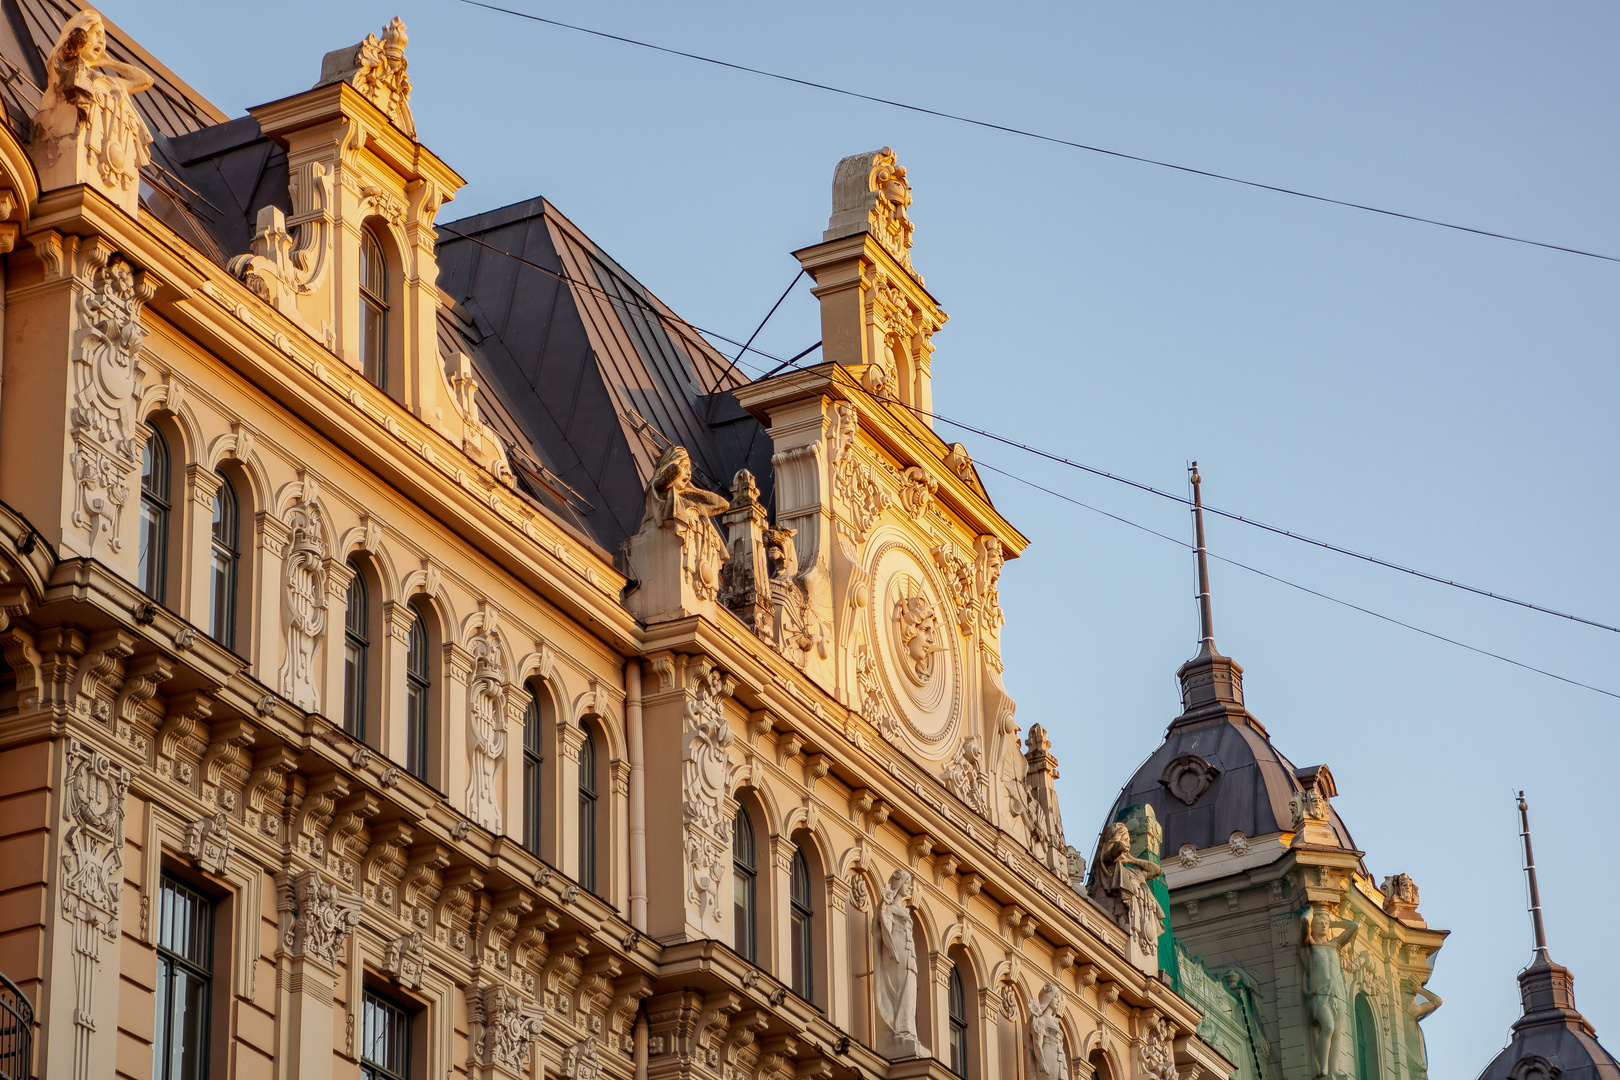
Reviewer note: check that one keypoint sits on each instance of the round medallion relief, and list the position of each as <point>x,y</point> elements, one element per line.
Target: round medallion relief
<point>918,656</point>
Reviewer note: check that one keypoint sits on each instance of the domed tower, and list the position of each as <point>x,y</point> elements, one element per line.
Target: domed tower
<point>1303,964</point>
<point>1552,1040</point>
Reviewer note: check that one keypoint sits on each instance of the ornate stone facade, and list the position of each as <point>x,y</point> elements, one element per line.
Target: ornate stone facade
<point>484,743</point>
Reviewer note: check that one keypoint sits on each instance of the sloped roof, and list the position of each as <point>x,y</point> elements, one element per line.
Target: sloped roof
<point>597,373</point>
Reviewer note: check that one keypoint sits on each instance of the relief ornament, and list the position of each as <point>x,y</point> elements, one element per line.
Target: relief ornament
<point>896,991</point>
<point>304,604</point>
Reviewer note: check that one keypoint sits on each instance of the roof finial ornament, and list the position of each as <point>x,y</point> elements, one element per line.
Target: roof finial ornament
<point>1530,873</point>
<point>1206,619</point>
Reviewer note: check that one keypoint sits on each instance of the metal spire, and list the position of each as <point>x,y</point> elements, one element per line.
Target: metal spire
<point>1206,619</point>
<point>1530,873</point>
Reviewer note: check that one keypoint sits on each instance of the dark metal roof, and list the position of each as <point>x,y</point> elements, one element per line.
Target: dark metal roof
<point>594,371</point>
<point>1551,1031</point>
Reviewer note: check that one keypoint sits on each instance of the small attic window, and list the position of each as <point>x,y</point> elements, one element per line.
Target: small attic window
<point>373,310</point>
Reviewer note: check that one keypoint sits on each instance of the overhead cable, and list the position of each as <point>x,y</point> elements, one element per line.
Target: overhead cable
<point>1025,133</point>
<point>1301,588</point>
<point>838,371</point>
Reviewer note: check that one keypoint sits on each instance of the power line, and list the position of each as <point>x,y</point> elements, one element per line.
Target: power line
<point>839,371</point>
<point>1037,135</point>
<point>1301,588</point>
<point>1279,531</point>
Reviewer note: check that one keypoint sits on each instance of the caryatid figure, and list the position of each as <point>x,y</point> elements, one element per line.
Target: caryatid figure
<point>1327,998</point>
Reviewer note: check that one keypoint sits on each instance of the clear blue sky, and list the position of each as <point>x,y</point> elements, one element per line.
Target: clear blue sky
<point>1443,400</point>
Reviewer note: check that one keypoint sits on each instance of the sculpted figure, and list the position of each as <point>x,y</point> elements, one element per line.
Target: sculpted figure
<point>1124,877</point>
<point>90,91</point>
<point>1327,997</point>
<point>1049,1058</point>
<point>672,495</point>
<point>897,959</point>
<point>918,630</point>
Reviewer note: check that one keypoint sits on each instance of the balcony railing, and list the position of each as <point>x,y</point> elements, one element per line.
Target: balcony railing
<point>16,1032</point>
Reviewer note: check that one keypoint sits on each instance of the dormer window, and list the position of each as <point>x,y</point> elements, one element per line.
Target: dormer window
<point>373,310</point>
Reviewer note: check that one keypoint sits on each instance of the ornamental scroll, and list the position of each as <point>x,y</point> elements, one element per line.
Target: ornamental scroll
<point>704,765</point>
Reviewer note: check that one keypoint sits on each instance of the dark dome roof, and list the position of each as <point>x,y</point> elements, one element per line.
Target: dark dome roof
<point>1216,772</point>
<point>1552,1039</point>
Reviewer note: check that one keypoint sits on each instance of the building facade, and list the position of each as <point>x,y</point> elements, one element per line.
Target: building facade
<point>425,656</point>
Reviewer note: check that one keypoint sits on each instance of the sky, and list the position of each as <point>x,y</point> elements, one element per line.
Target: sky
<point>1442,400</point>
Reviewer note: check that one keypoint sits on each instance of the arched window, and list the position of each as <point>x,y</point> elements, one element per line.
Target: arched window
<point>743,885</point>
<point>154,552</point>
<point>222,576</point>
<point>802,927</point>
<point>587,809</point>
<point>532,761</point>
<point>959,1026</point>
<point>1366,1040</point>
<point>356,646</point>
<point>416,699</point>
<point>373,310</point>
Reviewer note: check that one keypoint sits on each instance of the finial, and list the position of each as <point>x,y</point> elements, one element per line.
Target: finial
<point>1206,619</point>
<point>1530,872</point>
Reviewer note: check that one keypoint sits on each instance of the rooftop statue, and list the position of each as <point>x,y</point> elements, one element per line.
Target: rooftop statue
<point>89,101</point>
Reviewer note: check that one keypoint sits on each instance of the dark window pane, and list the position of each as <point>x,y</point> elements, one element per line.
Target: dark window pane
<point>153,556</point>
<point>532,762</point>
<point>958,1014</point>
<point>356,614</point>
<point>373,310</point>
<point>587,811</point>
<point>802,927</point>
<point>222,610</point>
<point>184,972</point>
<point>416,699</point>
<point>743,886</point>
<point>385,1039</point>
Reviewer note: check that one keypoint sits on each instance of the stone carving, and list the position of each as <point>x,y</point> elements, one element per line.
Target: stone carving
<point>1189,856</point>
<point>704,765</point>
<point>1401,898</point>
<point>871,194</point>
<point>1188,777</point>
<point>966,776</point>
<point>1048,1056</point>
<point>1327,996</point>
<point>796,597</point>
<point>917,634</point>
<point>1307,806</point>
<point>502,1028</point>
<point>917,490</point>
<point>1158,1050</point>
<point>486,726</point>
<point>87,129</point>
<point>1238,844</point>
<point>92,875</point>
<point>896,988</point>
<point>860,897</point>
<point>317,916</point>
<point>208,843</point>
<point>874,706</point>
<point>304,602</point>
<point>581,1061</point>
<point>106,381</point>
<point>376,68</point>
<point>1077,868</point>
<point>1035,800</point>
<point>853,479</point>
<point>961,582</point>
<point>675,529</point>
<point>1123,879</point>
<point>989,566</point>
<point>405,960</point>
